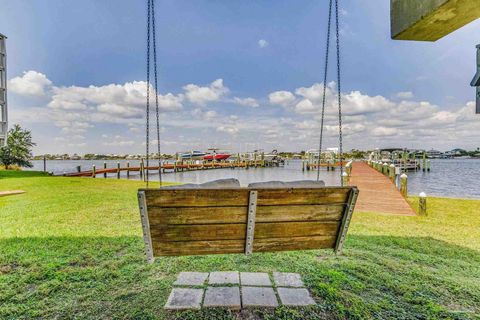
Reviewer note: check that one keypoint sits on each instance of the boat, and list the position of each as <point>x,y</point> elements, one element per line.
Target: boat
<point>435,154</point>
<point>192,155</point>
<point>216,156</point>
<point>270,156</point>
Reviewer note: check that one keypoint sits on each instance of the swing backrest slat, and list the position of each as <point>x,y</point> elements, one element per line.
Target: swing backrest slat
<point>214,221</point>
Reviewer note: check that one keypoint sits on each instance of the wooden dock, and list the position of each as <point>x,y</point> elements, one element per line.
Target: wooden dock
<point>377,192</point>
<point>165,167</point>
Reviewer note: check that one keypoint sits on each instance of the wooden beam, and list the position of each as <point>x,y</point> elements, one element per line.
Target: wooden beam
<point>430,20</point>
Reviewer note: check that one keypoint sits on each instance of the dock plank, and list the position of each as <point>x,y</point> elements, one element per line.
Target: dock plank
<point>377,192</point>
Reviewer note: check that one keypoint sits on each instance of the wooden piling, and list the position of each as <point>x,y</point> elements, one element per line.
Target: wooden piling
<point>128,170</point>
<point>79,168</point>
<point>392,172</point>
<point>404,185</point>
<point>118,170</point>
<point>422,204</point>
<point>93,171</point>
<point>44,164</point>
<point>344,179</point>
<point>105,168</point>
<point>142,166</point>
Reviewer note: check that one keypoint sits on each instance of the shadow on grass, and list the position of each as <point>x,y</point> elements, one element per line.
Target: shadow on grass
<point>107,277</point>
<point>10,174</point>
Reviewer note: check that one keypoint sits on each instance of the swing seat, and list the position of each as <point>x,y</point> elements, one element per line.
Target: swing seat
<point>217,220</point>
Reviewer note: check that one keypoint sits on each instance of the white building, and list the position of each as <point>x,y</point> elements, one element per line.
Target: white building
<point>3,91</point>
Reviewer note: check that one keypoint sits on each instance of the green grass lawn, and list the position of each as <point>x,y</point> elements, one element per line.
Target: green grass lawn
<point>72,248</point>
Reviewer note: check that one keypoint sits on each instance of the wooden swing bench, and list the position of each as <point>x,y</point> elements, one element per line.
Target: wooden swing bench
<point>210,220</point>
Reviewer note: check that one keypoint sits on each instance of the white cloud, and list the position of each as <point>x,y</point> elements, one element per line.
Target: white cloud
<point>404,95</point>
<point>202,95</point>
<point>119,143</point>
<point>315,92</point>
<point>32,83</point>
<point>73,127</point>
<point>81,113</point>
<point>356,103</point>
<point>204,115</point>
<point>248,102</point>
<point>281,98</point>
<point>305,106</point>
<point>228,129</point>
<point>262,43</point>
<point>120,101</point>
<point>384,131</point>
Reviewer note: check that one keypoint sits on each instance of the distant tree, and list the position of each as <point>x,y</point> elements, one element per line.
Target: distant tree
<point>18,150</point>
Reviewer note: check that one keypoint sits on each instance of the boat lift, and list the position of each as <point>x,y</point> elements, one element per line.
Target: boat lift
<point>476,81</point>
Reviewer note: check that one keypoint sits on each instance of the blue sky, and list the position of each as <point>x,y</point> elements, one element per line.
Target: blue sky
<point>76,70</point>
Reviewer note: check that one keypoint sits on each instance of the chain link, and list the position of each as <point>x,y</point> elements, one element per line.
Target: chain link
<point>152,40</point>
<point>324,88</point>
<point>147,111</point>
<point>157,111</point>
<point>339,93</point>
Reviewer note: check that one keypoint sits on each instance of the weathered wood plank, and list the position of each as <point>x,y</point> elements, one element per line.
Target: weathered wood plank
<point>199,232</point>
<point>302,196</point>
<point>197,197</point>
<point>238,246</point>
<point>332,212</point>
<point>377,192</point>
<point>186,248</point>
<point>239,197</point>
<point>197,215</point>
<point>207,215</point>
<point>296,229</point>
<point>296,243</point>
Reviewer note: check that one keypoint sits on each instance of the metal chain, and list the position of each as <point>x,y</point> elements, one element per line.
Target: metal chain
<point>147,111</point>
<point>157,111</point>
<point>324,89</point>
<point>339,93</point>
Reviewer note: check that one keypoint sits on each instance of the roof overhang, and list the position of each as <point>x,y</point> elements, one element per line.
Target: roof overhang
<point>430,20</point>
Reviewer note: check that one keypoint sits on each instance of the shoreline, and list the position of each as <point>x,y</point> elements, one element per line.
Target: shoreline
<point>41,173</point>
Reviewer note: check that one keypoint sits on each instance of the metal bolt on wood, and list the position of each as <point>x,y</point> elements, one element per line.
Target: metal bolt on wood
<point>252,211</point>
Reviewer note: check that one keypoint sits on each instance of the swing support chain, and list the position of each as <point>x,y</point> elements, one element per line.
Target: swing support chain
<point>339,94</point>
<point>151,31</point>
